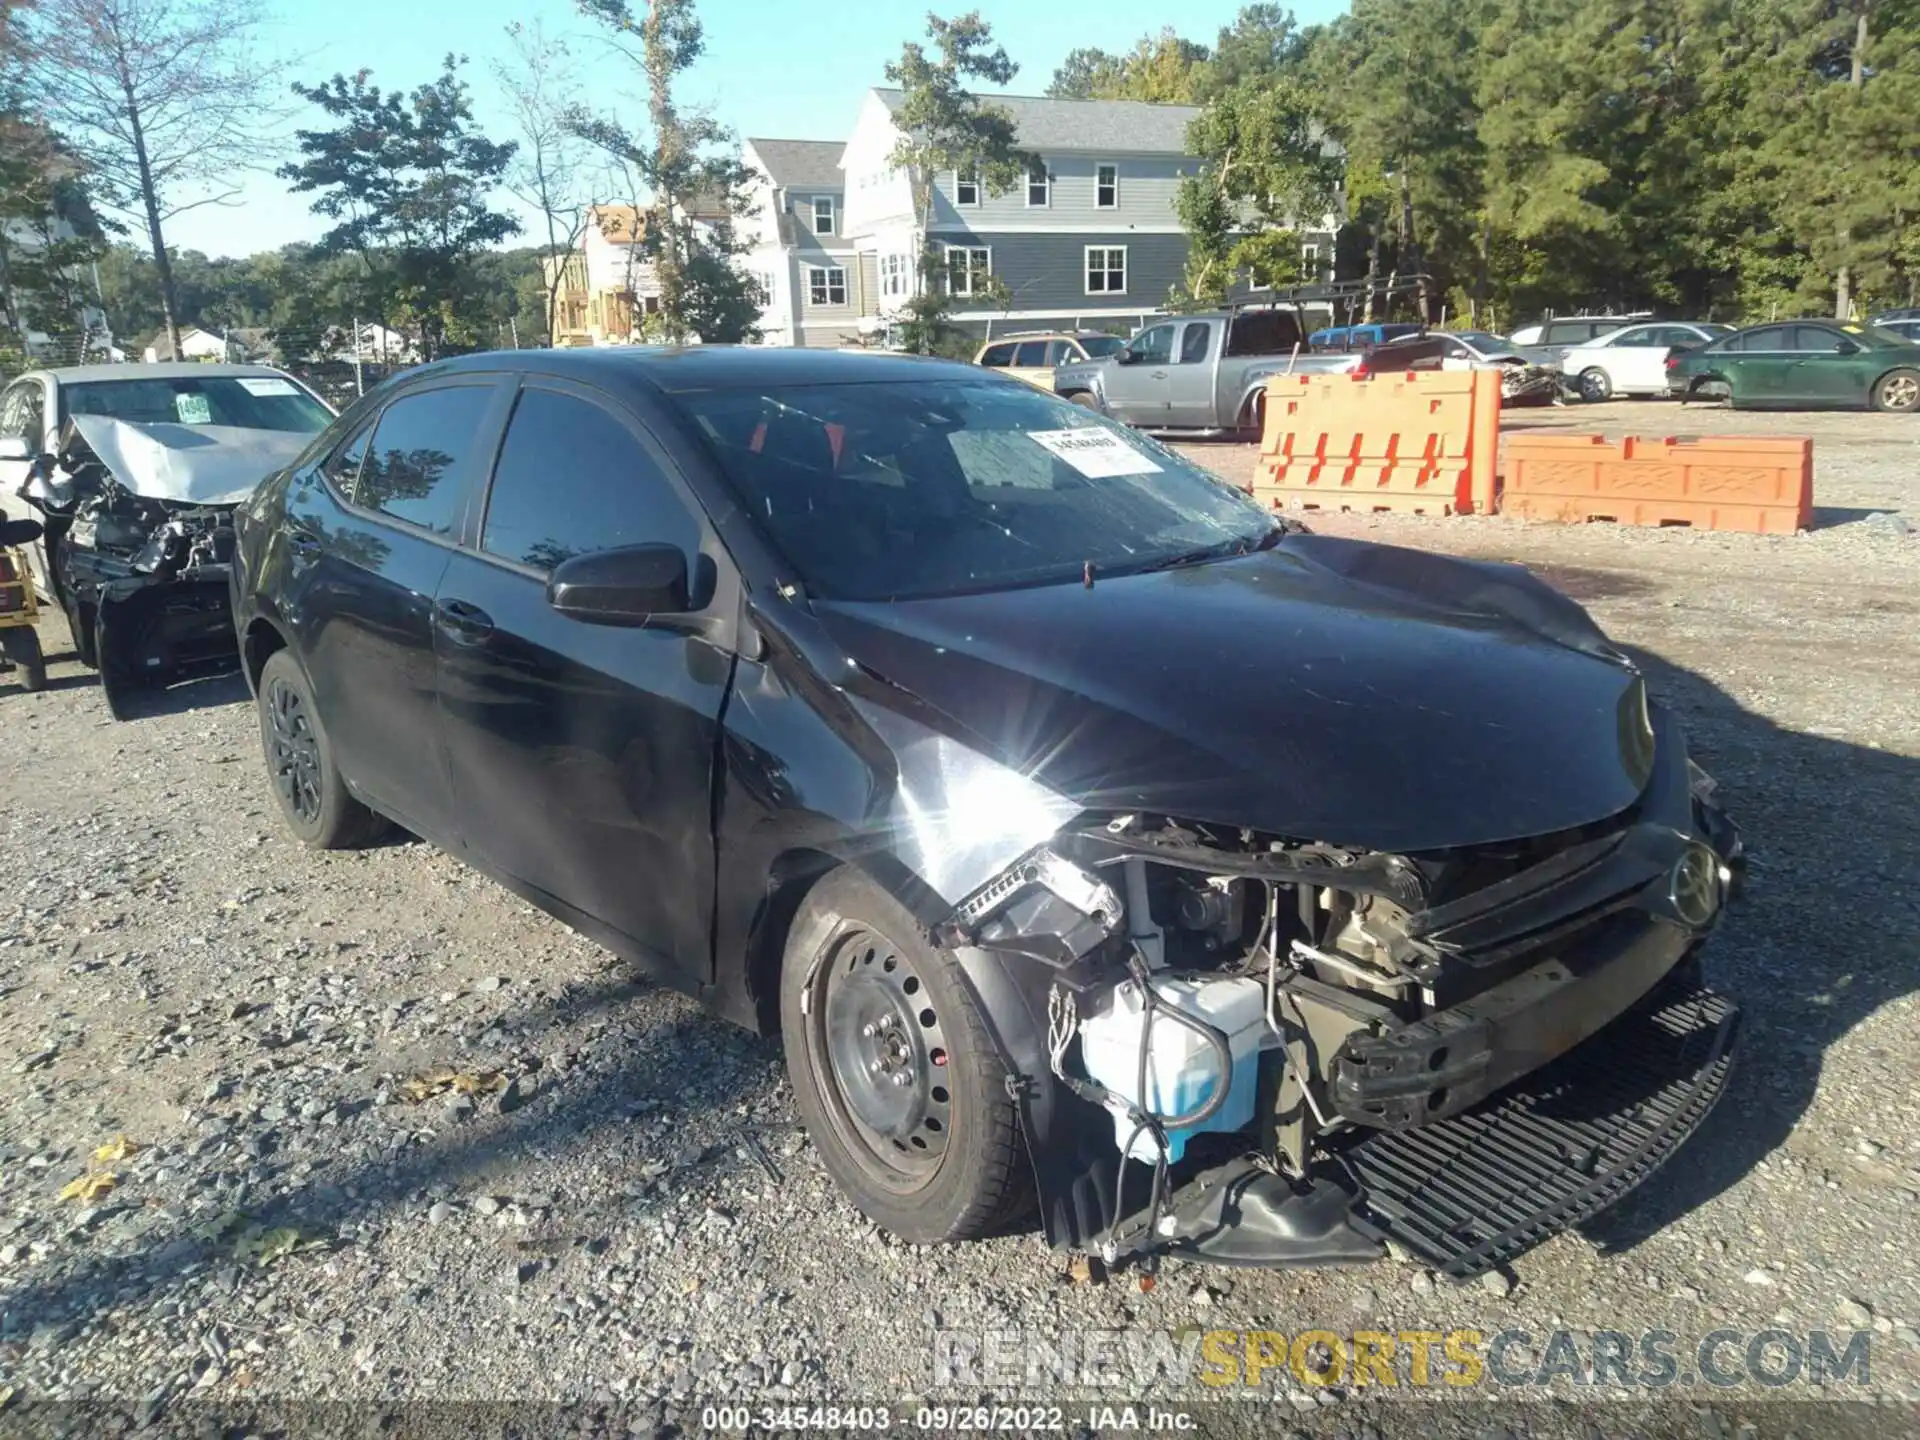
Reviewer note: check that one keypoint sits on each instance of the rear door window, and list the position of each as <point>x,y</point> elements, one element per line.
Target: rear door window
<point>422,449</point>
<point>1031,355</point>
<point>342,468</point>
<point>1194,342</point>
<point>1767,337</point>
<point>574,478</point>
<point>1816,338</point>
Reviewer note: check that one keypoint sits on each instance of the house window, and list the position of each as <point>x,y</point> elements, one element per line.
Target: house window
<point>968,267</point>
<point>1106,270</point>
<point>966,187</point>
<point>826,285</point>
<point>1106,186</point>
<point>764,279</point>
<point>895,277</point>
<point>1310,259</point>
<point>1039,184</point>
<point>823,215</point>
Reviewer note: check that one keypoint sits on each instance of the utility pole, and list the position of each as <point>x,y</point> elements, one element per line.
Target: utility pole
<point>359,381</point>
<point>513,328</point>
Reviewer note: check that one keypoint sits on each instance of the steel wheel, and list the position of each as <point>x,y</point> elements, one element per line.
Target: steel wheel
<point>886,1053</point>
<point>1899,391</point>
<point>293,754</point>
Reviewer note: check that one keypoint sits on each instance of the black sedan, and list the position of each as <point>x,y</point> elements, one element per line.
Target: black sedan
<point>1092,837</point>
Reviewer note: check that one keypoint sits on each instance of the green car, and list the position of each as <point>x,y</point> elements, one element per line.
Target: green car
<point>1802,364</point>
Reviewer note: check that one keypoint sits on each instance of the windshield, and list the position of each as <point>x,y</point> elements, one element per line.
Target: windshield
<point>913,489</point>
<point>1098,347</point>
<point>249,402</point>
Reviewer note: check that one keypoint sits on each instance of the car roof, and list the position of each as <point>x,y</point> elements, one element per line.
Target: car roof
<point>1046,335</point>
<point>678,370</point>
<point>169,370</point>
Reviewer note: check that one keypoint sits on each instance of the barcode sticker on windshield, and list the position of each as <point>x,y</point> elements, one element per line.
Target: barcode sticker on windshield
<point>1095,453</point>
<point>268,387</point>
<point>192,408</point>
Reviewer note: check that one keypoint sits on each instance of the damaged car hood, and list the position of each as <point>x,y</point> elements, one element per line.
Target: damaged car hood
<point>191,464</point>
<point>1325,689</point>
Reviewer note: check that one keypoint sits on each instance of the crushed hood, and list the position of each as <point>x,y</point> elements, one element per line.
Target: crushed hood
<point>1326,689</point>
<point>193,464</point>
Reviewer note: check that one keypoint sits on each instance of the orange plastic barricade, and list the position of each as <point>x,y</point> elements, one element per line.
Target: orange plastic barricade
<point>1721,482</point>
<point>1418,441</point>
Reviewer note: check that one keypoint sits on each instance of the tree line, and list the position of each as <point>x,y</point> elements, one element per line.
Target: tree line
<point>1719,158</point>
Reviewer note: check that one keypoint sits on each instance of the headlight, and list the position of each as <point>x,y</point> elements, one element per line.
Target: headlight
<point>960,818</point>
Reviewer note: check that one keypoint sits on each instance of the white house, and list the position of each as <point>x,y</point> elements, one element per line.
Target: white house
<point>807,268</point>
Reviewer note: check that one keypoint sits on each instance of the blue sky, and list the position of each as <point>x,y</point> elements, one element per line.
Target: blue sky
<point>772,67</point>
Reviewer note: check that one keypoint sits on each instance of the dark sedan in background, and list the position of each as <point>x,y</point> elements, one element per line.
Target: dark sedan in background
<point>1802,364</point>
<point>1091,836</point>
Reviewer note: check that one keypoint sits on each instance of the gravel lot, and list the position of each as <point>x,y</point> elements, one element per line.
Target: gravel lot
<point>637,1220</point>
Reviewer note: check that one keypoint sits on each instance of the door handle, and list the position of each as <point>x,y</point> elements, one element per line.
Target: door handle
<point>1159,374</point>
<point>467,623</point>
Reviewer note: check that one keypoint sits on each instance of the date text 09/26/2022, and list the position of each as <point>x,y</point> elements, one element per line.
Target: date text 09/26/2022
<point>947,1419</point>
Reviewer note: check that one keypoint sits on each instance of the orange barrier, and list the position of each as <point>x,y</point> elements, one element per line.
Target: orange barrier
<point>1764,486</point>
<point>1418,441</point>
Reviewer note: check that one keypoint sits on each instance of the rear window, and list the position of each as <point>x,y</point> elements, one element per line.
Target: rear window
<point>1262,332</point>
<point>997,355</point>
<point>1098,347</point>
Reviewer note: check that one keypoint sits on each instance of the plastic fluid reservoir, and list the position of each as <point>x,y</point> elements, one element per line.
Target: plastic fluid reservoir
<point>1183,1070</point>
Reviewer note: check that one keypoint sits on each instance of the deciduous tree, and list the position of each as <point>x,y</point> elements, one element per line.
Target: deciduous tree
<point>407,181</point>
<point>166,101</point>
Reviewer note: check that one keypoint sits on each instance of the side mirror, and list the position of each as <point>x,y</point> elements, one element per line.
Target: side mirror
<point>1124,356</point>
<point>18,532</point>
<point>16,447</point>
<point>628,586</point>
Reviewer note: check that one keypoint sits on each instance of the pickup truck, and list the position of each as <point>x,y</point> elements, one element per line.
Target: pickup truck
<point>1204,374</point>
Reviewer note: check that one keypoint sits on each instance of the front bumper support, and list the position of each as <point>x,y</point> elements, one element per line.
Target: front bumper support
<point>1471,1193</point>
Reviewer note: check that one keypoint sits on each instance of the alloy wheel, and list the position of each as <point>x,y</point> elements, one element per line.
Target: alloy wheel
<point>293,751</point>
<point>886,1053</point>
<point>1900,392</point>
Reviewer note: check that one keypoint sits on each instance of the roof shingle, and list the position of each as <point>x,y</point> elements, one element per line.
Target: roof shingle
<point>801,164</point>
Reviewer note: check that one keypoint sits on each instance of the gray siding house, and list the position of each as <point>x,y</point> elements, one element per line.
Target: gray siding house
<point>1088,239</point>
<point>809,271</point>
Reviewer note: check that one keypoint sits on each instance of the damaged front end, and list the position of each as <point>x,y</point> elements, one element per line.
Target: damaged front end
<point>140,566</point>
<point>1259,1050</point>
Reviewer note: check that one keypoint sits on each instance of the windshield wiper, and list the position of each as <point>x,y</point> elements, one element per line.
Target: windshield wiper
<point>1219,550</point>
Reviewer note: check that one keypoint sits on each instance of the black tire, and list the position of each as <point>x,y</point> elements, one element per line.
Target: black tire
<point>950,1163</point>
<point>1596,386</point>
<point>301,769</point>
<point>1897,391</point>
<point>1253,419</point>
<point>117,683</point>
<point>22,646</point>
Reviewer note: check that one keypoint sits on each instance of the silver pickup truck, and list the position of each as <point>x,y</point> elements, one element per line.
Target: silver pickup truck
<point>1199,374</point>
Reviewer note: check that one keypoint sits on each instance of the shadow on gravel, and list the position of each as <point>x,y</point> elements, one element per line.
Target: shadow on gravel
<point>1826,934</point>
<point>206,694</point>
<point>686,1071</point>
